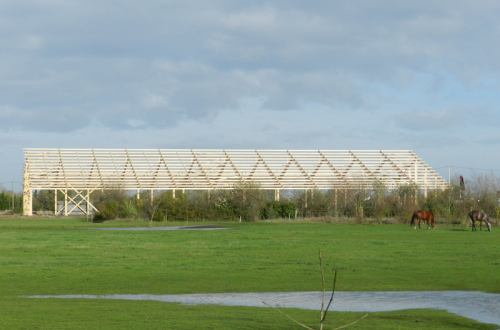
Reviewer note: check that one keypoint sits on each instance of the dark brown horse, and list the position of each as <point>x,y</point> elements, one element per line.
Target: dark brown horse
<point>479,216</point>
<point>422,215</point>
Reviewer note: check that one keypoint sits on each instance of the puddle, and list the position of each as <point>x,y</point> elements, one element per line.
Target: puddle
<point>479,306</point>
<point>198,227</point>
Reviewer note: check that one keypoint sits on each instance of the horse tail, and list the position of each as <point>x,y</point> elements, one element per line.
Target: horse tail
<point>469,216</point>
<point>413,218</point>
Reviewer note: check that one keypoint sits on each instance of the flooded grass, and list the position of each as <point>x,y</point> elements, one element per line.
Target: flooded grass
<point>55,314</point>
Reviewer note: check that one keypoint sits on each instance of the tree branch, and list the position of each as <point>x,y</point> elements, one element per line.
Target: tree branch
<point>322,315</point>
<point>333,292</point>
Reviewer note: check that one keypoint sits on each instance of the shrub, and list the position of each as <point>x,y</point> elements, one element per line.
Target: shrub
<point>129,210</point>
<point>108,210</point>
<point>109,203</point>
<point>247,199</point>
<point>278,209</point>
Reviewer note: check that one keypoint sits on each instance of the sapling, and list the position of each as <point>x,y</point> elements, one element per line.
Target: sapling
<point>324,310</point>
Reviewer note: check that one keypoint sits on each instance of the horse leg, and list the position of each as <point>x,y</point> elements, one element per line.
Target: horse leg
<point>419,221</point>
<point>474,225</point>
<point>428,223</point>
<point>480,226</point>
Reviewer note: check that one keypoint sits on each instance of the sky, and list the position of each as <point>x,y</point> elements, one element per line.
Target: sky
<point>218,74</point>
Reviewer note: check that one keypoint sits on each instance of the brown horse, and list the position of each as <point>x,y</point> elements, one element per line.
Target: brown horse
<point>422,215</point>
<point>479,216</point>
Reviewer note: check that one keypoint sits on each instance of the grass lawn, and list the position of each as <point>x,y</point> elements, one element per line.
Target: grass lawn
<point>54,314</point>
<point>56,256</point>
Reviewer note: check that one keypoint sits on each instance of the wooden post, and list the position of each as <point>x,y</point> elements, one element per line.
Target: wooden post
<point>336,213</point>
<point>55,201</point>
<point>416,173</point>
<point>173,193</point>
<point>305,198</point>
<point>138,194</point>
<point>345,197</point>
<point>425,183</point>
<point>435,184</point>
<point>276,194</point>
<point>66,202</point>
<point>27,194</point>
<point>88,202</point>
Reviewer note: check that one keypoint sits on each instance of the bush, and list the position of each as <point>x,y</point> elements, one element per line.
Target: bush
<point>108,210</point>
<point>129,210</point>
<point>250,202</point>
<point>247,199</point>
<point>278,209</point>
<point>4,201</point>
<point>110,204</point>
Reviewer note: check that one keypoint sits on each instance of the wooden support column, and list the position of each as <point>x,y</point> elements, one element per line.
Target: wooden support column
<point>66,202</point>
<point>27,194</point>
<point>27,202</point>
<point>276,194</point>
<point>173,193</point>
<point>305,194</point>
<point>416,183</point>
<point>88,202</point>
<point>435,185</point>
<point>336,213</point>
<point>138,194</point>
<point>55,201</point>
<point>425,183</point>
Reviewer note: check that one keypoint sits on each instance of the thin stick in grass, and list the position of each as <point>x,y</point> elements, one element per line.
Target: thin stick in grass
<point>323,281</point>
<point>331,299</point>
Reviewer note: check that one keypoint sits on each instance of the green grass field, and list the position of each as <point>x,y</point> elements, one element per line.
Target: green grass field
<point>57,256</point>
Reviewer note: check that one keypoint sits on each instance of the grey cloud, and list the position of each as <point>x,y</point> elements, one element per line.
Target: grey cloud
<point>68,65</point>
<point>447,119</point>
<point>490,141</point>
<point>420,120</point>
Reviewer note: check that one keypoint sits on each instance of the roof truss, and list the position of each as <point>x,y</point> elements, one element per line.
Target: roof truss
<point>138,169</point>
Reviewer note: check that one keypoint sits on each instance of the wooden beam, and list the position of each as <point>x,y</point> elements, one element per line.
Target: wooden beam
<point>191,169</point>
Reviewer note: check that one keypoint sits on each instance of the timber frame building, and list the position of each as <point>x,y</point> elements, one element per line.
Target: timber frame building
<point>86,170</point>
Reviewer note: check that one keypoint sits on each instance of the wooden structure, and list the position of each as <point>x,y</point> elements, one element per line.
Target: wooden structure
<point>85,170</point>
